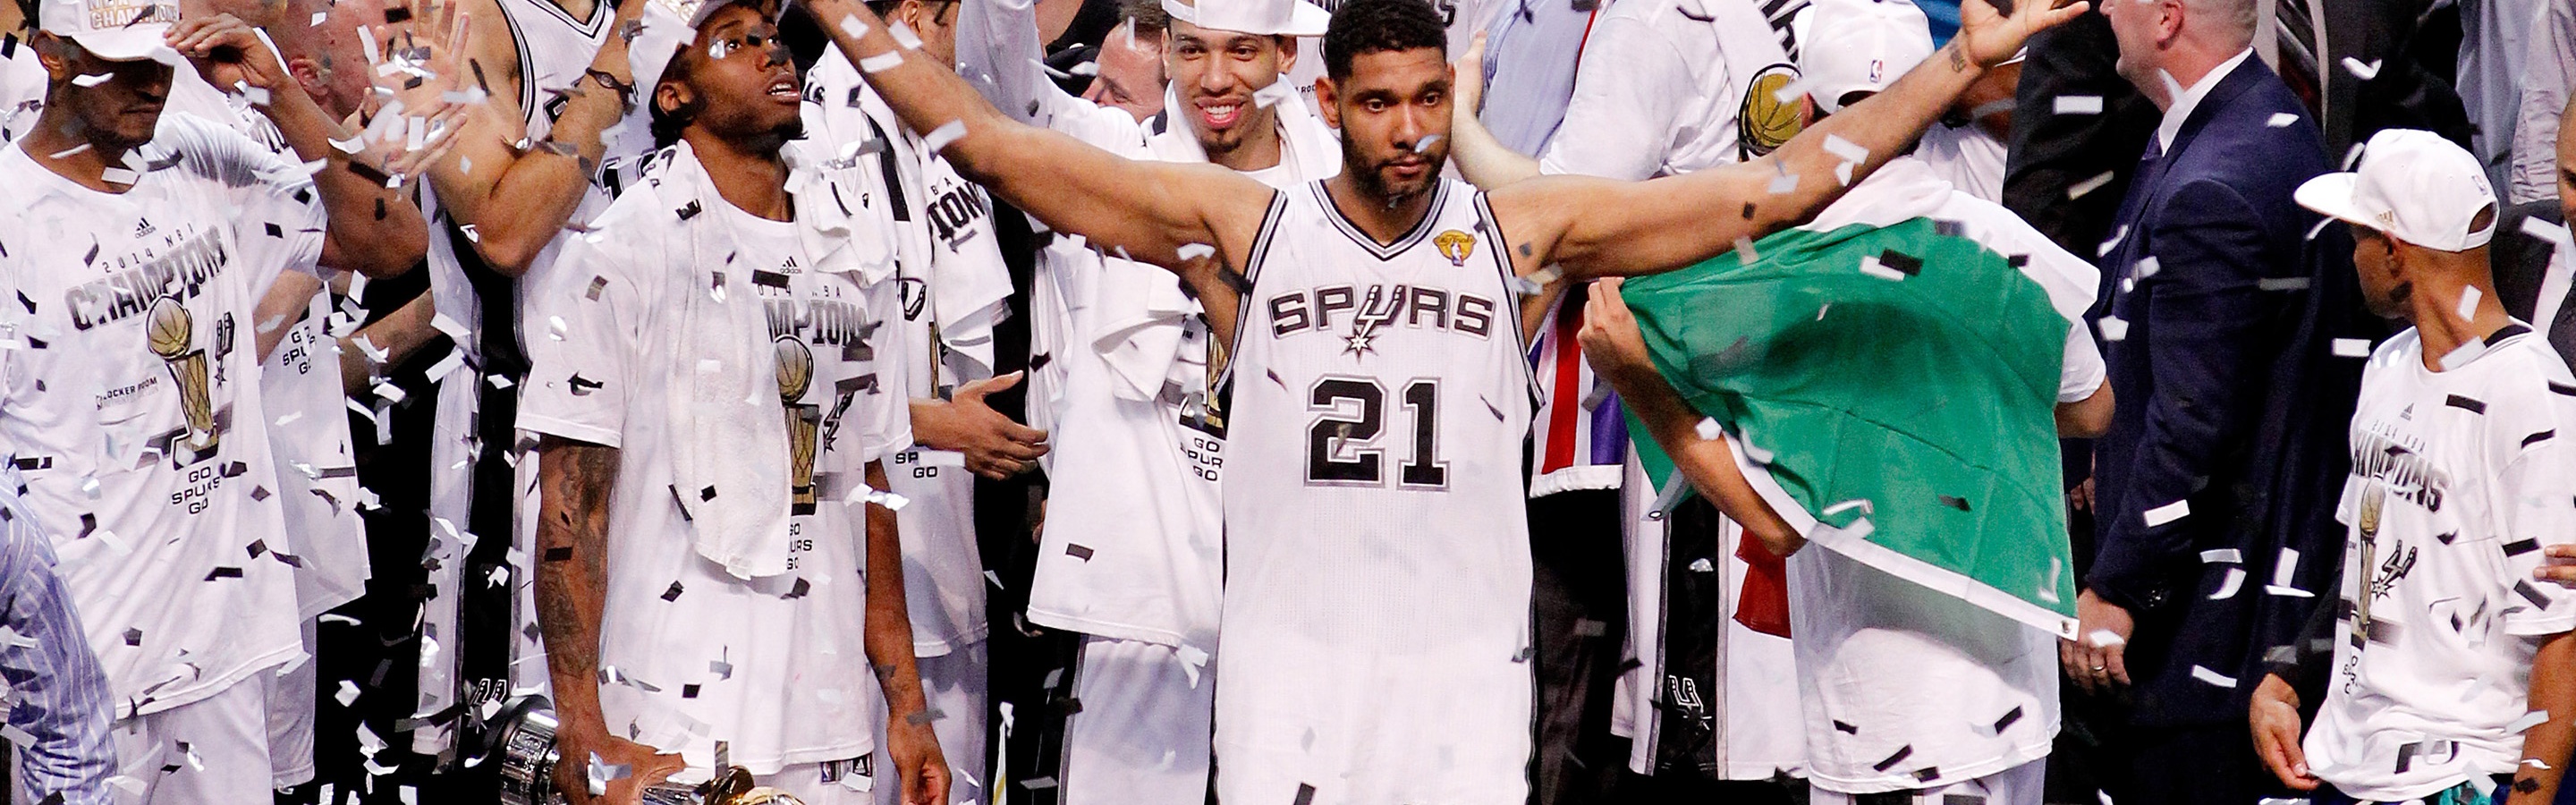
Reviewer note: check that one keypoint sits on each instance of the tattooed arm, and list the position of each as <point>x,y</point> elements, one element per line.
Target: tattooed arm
<point>574,479</point>
<point>911,747</point>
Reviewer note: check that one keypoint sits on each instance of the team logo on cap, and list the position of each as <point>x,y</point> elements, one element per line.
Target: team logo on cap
<point>1765,121</point>
<point>1456,246</point>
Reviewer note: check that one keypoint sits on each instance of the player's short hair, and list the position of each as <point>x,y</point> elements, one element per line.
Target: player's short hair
<point>667,124</point>
<point>1150,19</point>
<point>1362,27</point>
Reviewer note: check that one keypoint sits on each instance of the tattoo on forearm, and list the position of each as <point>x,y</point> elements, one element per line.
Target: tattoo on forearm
<point>1958,57</point>
<point>572,530</point>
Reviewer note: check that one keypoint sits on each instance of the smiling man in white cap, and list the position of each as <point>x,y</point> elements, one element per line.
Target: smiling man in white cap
<point>2453,673</point>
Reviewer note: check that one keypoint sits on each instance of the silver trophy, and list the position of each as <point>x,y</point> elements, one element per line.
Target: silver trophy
<point>522,742</point>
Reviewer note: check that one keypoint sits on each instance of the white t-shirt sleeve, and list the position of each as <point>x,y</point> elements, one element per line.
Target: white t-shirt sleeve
<point>277,213</point>
<point>579,381</point>
<point>2083,372</point>
<point>1626,94</point>
<point>881,416</point>
<point>2536,495</point>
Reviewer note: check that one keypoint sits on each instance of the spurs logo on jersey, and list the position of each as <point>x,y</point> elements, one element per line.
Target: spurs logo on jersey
<point>1366,309</point>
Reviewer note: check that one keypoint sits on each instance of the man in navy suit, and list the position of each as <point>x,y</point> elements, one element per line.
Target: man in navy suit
<point>2216,316</point>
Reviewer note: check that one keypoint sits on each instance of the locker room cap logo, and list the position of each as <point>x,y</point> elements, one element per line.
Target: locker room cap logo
<point>1455,245</point>
<point>115,30</point>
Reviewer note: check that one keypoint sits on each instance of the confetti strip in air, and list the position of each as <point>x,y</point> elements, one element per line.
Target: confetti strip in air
<point>1277,92</point>
<point>91,79</point>
<point>2167,513</point>
<point>2527,721</point>
<point>1846,150</point>
<point>2285,571</point>
<point>2079,104</point>
<point>2361,69</point>
<point>882,62</point>
<point>939,138</point>
<point>2469,296</point>
<point>2352,347</point>
<point>2228,586</point>
<point>2202,673</point>
<point>856,28</point>
<point>904,36</point>
<point>2281,120</point>
<point>1196,251</point>
<point>2086,187</point>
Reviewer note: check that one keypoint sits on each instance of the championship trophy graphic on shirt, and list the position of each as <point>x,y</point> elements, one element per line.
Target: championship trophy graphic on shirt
<point>2373,498</point>
<point>169,331</point>
<point>795,374</point>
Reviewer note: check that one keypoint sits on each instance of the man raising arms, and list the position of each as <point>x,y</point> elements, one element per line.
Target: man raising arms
<point>1378,574</point>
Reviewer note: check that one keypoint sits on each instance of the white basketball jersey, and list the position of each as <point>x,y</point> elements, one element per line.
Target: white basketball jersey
<point>1377,556</point>
<point>554,50</point>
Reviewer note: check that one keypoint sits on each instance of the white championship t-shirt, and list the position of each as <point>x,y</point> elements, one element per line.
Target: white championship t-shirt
<point>950,296</point>
<point>2472,471</point>
<point>775,666</point>
<point>1905,687</point>
<point>134,409</point>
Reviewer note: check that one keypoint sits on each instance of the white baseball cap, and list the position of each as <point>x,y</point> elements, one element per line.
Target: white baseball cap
<point>1857,46</point>
<point>1256,17</point>
<point>668,26</point>
<point>115,30</point>
<point>2414,186</point>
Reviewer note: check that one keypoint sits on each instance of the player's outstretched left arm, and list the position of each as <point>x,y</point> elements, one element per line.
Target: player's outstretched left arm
<point>1155,212</point>
<point>1597,227</point>
<point>911,745</point>
<point>371,229</point>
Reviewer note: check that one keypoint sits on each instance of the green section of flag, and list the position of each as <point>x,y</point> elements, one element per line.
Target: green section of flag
<point>1903,366</point>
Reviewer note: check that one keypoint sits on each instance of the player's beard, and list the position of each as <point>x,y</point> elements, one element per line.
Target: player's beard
<point>1371,177</point>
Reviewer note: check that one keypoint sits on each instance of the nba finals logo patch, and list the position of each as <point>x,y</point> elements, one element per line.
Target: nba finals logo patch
<point>1456,246</point>
<point>1767,121</point>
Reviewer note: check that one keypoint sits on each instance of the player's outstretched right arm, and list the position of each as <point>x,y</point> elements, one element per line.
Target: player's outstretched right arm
<point>1154,211</point>
<point>1596,227</point>
<point>573,482</point>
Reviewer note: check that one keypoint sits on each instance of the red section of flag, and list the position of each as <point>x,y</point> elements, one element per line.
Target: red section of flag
<point>1764,605</point>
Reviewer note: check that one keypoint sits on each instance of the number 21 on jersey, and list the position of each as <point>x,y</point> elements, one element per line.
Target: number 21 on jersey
<point>1342,446</point>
